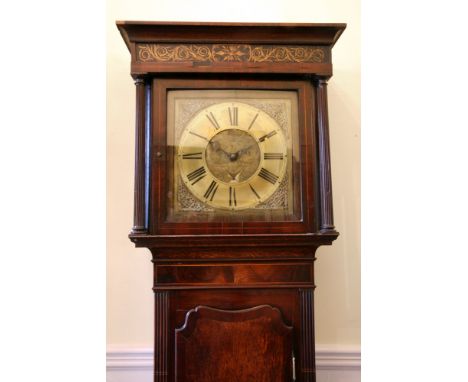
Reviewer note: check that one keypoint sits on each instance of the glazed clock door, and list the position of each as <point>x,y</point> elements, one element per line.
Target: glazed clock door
<point>250,345</point>
<point>233,155</point>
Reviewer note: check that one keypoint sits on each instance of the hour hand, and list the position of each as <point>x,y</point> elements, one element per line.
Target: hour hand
<point>245,149</point>
<point>217,148</point>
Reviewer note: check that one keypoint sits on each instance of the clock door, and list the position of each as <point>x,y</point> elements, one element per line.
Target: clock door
<point>234,345</point>
<point>230,157</point>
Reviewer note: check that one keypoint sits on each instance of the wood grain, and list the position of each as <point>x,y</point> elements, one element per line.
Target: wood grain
<point>249,345</point>
<point>226,275</point>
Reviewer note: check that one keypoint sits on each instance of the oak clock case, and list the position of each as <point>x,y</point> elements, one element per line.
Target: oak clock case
<point>232,193</point>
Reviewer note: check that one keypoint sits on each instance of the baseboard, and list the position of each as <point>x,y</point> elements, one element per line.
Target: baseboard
<point>334,364</point>
<point>120,358</point>
<point>338,358</point>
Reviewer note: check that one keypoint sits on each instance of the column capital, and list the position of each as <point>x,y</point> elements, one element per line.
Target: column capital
<point>321,81</point>
<point>139,81</point>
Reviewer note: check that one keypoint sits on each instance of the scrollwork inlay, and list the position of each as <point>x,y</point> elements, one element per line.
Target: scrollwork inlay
<point>229,53</point>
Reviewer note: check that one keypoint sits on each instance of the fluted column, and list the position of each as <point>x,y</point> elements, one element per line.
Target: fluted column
<point>307,340</point>
<point>161,355</point>
<point>139,216</point>
<point>325,186</point>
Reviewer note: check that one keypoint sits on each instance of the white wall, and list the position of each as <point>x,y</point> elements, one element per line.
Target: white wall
<point>129,271</point>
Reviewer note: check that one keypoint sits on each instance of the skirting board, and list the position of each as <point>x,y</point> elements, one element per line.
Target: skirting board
<point>334,364</point>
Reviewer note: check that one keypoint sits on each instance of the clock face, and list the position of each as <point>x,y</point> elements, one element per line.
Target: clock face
<point>232,155</point>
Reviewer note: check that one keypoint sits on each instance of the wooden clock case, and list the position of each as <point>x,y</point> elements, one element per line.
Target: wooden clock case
<point>233,300</point>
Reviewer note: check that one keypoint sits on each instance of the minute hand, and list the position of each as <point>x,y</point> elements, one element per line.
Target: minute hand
<point>242,151</point>
<point>269,135</point>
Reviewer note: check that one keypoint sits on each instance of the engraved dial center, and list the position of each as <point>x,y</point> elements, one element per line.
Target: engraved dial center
<point>233,155</point>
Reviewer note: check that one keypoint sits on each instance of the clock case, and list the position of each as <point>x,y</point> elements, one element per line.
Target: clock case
<point>236,273</point>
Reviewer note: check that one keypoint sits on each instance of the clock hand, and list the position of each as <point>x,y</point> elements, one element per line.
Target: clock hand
<point>232,156</point>
<point>245,149</point>
<point>269,135</point>
<point>217,147</point>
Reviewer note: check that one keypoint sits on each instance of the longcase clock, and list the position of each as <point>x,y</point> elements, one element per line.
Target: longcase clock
<point>232,193</point>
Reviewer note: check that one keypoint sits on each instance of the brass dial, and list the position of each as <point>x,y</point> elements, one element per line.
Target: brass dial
<point>232,156</point>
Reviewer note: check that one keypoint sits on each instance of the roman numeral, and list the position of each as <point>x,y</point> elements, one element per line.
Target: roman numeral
<point>269,135</point>
<point>253,120</point>
<point>198,135</point>
<point>197,175</point>
<point>268,176</point>
<point>211,191</point>
<point>192,156</point>
<point>233,114</point>
<point>213,120</point>
<point>273,156</point>
<point>255,192</point>
<point>232,197</point>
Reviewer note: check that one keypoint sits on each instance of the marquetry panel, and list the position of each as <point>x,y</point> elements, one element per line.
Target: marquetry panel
<point>173,53</point>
